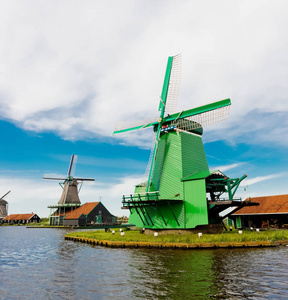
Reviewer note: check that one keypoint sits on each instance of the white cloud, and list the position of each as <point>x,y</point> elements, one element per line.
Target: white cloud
<point>258,179</point>
<point>227,167</point>
<point>75,69</point>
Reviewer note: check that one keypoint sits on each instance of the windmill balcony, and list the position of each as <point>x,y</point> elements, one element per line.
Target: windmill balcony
<point>65,205</point>
<point>222,200</point>
<point>133,200</point>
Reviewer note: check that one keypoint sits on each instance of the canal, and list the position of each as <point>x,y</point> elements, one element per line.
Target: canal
<point>40,264</point>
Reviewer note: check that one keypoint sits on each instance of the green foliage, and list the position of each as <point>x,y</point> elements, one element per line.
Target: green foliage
<point>44,221</point>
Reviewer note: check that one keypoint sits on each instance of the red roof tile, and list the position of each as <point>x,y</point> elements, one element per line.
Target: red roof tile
<point>56,213</point>
<point>17,217</point>
<point>267,205</point>
<point>85,209</point>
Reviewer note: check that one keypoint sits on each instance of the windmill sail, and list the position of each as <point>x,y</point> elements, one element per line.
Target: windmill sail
<point>71,168</point>
<point>202,116</point>
<point>84,179</point>
<point>135,125</point>
<point>54,178</point>
<point>5,195</point>
<point>171,86</point>
<point>144,181</point>
<point>168,99</point>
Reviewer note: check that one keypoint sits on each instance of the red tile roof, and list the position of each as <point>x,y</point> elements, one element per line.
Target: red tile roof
<point>56,213</point>
<point>267,205</point>
<point>85,209</point>
<point>17,217</point>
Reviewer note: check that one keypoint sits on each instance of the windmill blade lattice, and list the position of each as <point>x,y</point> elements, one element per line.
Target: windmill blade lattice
<point>66,193</point>
<point>147,171</point>
<point>84,179</point>
<point>72,165</point>
<point>54,178</point>
<point>168,99</point>
<point>135,125</point>
<point>174,84</point>
<point>203,119</point>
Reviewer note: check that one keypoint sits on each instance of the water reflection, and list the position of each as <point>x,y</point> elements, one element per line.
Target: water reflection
<point>170,273</point>
<point>210,274</point>
<point>63,270</point>
<point>40,262</point>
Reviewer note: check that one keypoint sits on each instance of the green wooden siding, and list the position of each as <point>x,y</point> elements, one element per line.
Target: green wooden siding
<point>171,186</point>
<point>159,214</point>
<point>193,154</point>
<point>158,166</point>
<point>195,203</point>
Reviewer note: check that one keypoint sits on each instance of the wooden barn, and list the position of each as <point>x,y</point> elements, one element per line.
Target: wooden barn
<point>22,218</point>
<point>272,212</point>
<point>88,214</point>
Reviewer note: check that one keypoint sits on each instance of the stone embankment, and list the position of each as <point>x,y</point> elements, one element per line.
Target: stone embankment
<point>119,244</point>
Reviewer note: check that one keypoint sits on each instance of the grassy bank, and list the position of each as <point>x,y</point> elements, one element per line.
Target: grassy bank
<point>44,223</point>
<point>136,236</point>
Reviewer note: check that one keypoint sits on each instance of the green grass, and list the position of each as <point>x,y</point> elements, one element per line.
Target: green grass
<point>44,222</point>
<point>234,236</point>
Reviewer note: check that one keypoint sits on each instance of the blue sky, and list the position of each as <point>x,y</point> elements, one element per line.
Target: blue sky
<point>70,70</point>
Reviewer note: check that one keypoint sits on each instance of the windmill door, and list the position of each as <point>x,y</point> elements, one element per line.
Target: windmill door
<point>238,222</point>
<point>98,219</point>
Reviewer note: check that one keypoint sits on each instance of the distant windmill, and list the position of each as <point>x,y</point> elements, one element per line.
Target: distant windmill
<point>3,207</point>
<point>174,192</point>
<point>70,195</point>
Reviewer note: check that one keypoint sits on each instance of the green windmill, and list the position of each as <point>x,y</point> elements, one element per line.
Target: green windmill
<point>180,192</point>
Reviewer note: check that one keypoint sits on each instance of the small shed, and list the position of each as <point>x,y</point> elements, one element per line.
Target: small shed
<point>22,218</point>
<point>272,212</point>
<point>88,214</point>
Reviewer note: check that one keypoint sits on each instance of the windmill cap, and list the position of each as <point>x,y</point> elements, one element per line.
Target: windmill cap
<point>187,125</point>
<point>2,201</point>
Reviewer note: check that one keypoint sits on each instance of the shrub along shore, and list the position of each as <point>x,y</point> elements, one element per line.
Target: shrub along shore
<point>134,238</point>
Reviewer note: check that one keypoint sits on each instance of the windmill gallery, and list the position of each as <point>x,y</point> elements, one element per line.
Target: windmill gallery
<point>179,191</point>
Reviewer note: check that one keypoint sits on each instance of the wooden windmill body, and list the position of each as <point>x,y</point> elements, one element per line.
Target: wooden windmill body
<point>70,193</point>
<point>69,199</point>
<point>180,192</point>
<point>3,207</point>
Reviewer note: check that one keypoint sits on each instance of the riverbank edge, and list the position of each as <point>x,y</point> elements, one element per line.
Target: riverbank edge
<point>122,244</point>
<point>50,226</point>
